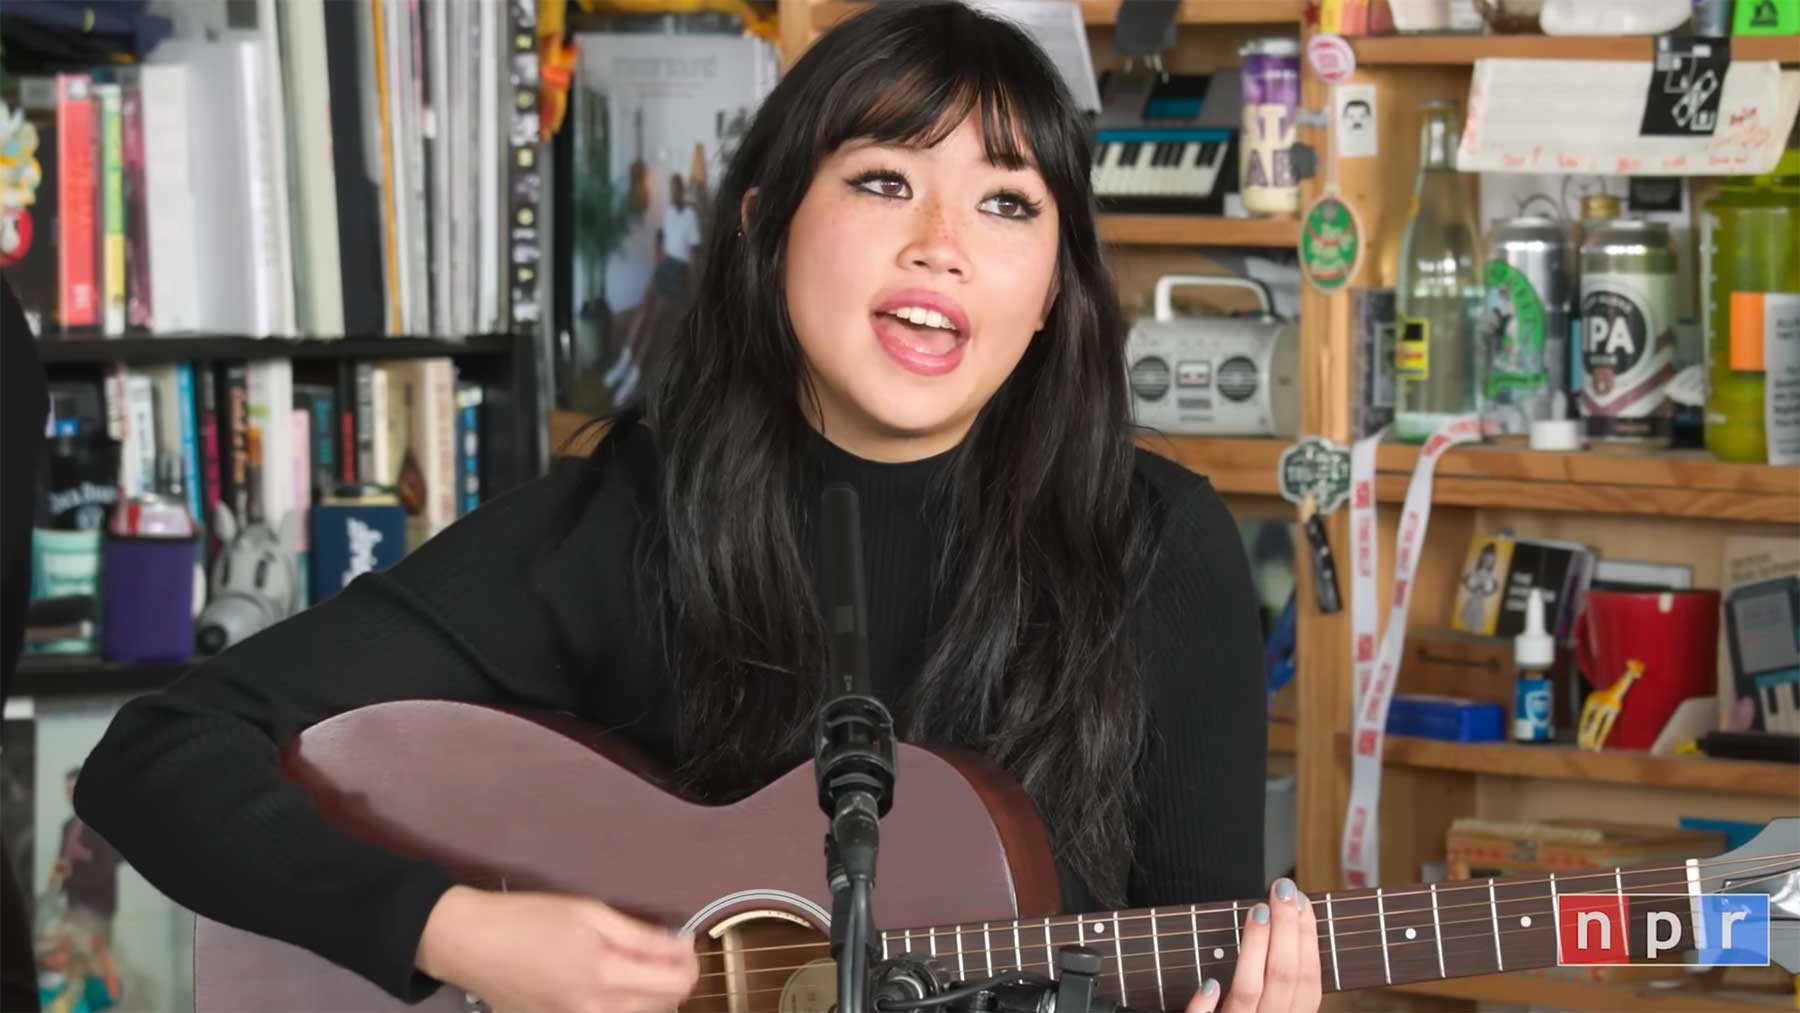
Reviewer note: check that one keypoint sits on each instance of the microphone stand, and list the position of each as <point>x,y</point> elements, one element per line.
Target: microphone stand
<point>853,752</point>
<point>854,765</point>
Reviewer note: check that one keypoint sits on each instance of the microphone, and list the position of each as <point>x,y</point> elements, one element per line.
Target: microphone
<point>853,748</point>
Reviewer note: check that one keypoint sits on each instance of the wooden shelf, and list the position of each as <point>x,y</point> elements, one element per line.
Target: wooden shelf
<point>1246,466</point>
<point>1207,12</point>
<point>1452,50</point>
<point>1281,736</point>
<point>56,349</point>
<point>77,675</point>
<point>1106,12</point>
<point>1680,483</point>
<point>1567,763</point>
<point>1538,992</point>
<point>1199,230</point>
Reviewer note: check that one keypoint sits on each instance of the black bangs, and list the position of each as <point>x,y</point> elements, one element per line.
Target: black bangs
<point>936,64</point>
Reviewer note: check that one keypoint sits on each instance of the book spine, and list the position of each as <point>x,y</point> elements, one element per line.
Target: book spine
<point>112,204</point>
<point>468,446</point>
<point>365,424</point>
<point>138,304</point>
<point>78,303</point>
<point>28,243</point>
<point>190,439</point>
<point>171,237</point>
<point>235,440</point>
<point>524,179</point>
<point>208,418</point>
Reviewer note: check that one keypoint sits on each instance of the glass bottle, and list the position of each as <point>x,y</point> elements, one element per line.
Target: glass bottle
<point>1438,366</point>
<point>1750,287</point>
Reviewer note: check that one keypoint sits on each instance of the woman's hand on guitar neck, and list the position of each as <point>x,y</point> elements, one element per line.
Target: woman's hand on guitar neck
<point>1278,961</point>
<point>544,952</point>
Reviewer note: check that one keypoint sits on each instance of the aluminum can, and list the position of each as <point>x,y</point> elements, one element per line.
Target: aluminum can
<point>1271,90</point>
<point>1628,341</point>
<point>1528,283</point>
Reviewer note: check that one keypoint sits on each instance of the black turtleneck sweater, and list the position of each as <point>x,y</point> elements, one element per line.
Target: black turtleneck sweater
<point>516,604</point>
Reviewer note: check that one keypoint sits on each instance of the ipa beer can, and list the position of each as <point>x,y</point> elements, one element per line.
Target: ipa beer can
<point>1628,342</point>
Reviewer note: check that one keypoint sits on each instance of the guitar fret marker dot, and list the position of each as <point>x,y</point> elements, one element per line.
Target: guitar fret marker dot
<point>1218,952</point>
<point>1098,928</point>
<point>1412,933</point>
<point>1525,922</point>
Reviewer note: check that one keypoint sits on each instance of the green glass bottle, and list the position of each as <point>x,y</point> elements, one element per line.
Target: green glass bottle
<point>1439,369</point>
<point>1750,279</point>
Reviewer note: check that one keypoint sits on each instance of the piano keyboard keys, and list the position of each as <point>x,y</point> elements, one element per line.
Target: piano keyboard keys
<point>1165,168</point>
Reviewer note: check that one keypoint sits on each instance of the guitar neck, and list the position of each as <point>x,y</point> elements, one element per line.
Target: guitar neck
<point>1367,938</point>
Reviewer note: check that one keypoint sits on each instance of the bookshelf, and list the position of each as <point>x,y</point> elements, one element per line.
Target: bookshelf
<point>70,349</point>
<point>1676,507</point>
<point>1566,763</point>
<point>1199,230</point>
<point>51,676</point>
<point>504,365</point>
<point>194,191</point>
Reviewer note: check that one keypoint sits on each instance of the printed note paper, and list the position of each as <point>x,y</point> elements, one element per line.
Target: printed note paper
<point>1586,116</point>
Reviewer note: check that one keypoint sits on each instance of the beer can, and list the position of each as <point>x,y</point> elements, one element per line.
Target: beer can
<point>1528,291</point>
<point>1271,91</point>
<point>1628,341</point>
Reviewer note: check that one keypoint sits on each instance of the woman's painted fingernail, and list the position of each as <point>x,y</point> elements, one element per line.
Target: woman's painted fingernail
<point>1210,987</point>
<point>1260,914</point>
<point>1284,888</point>
<point>1305,903</point>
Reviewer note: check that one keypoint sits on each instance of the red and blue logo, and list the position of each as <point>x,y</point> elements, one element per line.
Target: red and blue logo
<point>1685,930</point>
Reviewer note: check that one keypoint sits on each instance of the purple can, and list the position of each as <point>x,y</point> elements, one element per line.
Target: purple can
<point>1271,87</point>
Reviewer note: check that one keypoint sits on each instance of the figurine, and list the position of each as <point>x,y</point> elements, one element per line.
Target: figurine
<point>255,581</point>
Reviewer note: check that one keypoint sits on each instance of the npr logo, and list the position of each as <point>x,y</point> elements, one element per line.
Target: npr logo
<point>1720,929</point>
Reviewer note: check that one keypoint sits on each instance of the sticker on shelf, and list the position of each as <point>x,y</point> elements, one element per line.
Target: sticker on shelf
<point>1353,110</point>
<point>1683,98</point>
<point>1331,245</point>
<point>1317,467</point>
<point>1331,58</point>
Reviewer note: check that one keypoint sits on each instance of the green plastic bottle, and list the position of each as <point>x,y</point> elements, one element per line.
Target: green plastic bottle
<point>1750,244</point>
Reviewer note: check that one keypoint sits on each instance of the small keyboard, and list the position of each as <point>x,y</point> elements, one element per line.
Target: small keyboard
<point>1164,170</point>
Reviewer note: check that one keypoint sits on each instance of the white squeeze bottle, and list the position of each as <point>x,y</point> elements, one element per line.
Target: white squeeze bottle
<point>1534,653</point>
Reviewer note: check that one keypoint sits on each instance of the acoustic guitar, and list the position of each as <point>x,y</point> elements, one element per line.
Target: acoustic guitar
<point>523,800</point>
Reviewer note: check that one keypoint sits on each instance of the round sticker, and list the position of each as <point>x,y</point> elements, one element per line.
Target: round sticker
<point>1330,243</point>
<point>1331,58</point>
<point>1318,466</point>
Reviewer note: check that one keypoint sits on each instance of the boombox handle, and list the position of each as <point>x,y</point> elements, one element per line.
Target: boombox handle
<point>1164,285</point>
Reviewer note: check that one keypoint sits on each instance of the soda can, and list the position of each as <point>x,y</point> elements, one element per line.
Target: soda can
<point>1528,283</point>
<point>1271,90</point>
<point>1628,340</point>
<point>1532,713</point>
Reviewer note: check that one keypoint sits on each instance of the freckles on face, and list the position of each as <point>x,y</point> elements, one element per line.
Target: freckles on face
<point>915,279</point>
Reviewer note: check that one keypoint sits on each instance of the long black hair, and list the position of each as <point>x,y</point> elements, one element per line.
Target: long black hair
<point>1048,538</point>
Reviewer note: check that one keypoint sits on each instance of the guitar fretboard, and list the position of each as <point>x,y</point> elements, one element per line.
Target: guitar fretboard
<point>1156,958</point>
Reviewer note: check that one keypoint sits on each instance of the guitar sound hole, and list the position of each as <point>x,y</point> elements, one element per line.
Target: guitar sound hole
<point>764,964</point>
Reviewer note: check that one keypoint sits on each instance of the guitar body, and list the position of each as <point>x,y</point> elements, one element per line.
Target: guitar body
<point>533,801</point>
<point>530,801</point>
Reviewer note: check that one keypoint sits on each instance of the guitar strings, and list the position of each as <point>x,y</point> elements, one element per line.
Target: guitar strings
<point>1194,937</point>
<point>1481,886</point>
<point>1123,969</point>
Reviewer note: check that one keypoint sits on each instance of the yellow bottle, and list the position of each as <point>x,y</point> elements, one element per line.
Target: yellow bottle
<point>1749,278</point>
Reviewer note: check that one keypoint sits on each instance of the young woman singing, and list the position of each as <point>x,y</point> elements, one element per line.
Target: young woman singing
<point>906,293</point>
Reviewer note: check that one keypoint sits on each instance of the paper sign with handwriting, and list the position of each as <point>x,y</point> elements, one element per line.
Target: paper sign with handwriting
<point>1583,116</point>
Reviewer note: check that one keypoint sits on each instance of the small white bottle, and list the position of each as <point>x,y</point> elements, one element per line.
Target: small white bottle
<point>1534,653</point>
